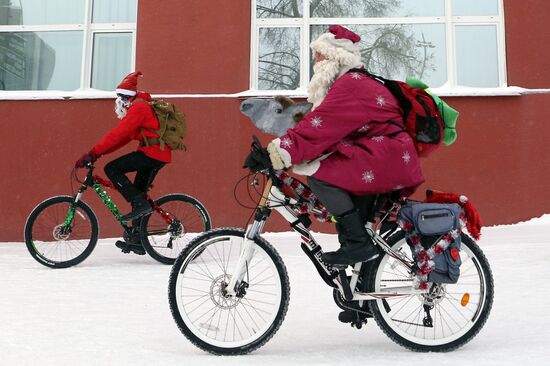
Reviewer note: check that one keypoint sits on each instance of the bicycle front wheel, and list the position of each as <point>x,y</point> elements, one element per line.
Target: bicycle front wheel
<point>209,318</point>
<point>457,312</point>
<point>165,232</point>
<point>56,243</point>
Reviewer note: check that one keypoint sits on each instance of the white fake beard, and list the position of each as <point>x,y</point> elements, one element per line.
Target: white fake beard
<point>324,74</point>
<point>121,108</point>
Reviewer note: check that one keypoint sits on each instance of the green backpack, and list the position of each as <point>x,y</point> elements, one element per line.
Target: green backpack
<point>172,126</point>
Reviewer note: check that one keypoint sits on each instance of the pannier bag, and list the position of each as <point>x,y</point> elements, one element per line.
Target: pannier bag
<point>433,233</point>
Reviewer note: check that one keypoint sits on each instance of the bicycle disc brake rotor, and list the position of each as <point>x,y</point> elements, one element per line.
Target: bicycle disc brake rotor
<point>60,232</point>
<point>217,293</point>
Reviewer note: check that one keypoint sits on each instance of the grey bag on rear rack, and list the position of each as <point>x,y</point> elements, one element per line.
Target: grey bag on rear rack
<point>432,221</point>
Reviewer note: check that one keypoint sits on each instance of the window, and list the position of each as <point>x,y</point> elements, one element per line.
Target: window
<point>446,43</point>
<point>66,44</point>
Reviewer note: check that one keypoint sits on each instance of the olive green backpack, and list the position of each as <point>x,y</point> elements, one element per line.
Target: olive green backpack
<point>172,126</point>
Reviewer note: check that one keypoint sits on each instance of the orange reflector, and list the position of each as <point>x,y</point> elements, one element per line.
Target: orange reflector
<point>465,299</point>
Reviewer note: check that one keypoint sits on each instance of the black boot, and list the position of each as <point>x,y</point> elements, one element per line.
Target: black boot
<point>140,207</point>
<point>130,247</point>
<point>356,244</point>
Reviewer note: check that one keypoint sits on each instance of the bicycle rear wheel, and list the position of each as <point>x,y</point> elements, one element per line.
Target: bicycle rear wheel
<point>54,244</point>
<point>210,319</point>
<point>163,240</point>
<point>458,311</point>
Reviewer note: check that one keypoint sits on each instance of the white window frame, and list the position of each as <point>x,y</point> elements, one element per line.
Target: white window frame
<point>89,29</point>
<point>450,22</point>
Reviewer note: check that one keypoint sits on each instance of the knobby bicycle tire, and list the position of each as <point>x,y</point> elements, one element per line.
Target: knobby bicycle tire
<point>44,246</point>
<point>479,263</point>
<point>195,250</point>
<point>194,220</point>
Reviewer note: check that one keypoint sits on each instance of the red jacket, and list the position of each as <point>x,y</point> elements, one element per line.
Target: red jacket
<point>367,155</point>
<point>140,117</point>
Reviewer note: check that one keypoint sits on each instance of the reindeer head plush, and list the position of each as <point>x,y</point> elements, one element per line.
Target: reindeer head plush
<point>274,116</point>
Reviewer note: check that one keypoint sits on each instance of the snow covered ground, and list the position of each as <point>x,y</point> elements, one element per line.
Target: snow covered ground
<point>113,310</point>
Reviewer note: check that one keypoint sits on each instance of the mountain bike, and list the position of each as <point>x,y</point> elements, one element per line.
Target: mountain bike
<point>229,288</point>
<point>62,231</point>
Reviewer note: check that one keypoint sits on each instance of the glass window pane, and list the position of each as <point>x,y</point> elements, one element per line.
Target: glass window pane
<point>279,59</point>
<point>279,8</point>
<point>40,60</point>
<point>111,59</point>
<point>32,12</point>
<point>376,8</point>
<point>399,51</point>
<point>475,7</point>
<point>477,56</point>
<point>109,11</point>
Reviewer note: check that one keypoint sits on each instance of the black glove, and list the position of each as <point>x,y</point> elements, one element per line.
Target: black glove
<point>257,160</point>
<point>89,157</point>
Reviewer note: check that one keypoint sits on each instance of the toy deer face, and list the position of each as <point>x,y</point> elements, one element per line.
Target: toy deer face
<point>273,117</point>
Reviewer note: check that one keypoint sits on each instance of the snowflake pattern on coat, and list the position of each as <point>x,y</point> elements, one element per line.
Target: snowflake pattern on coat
<point>406,157</point>
<point>368,176</point>
<point>356,76</point>
<point>286,142</point>
<point>378,138</point>
<point>365,128</point>
<point>380,101</point>
<point>316,122</point>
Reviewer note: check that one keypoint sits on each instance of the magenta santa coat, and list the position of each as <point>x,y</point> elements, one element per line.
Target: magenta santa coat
<point>346,141</point>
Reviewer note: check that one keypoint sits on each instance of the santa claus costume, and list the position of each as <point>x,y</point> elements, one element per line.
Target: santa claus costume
<point>345,145</point>
<point>137,122</point>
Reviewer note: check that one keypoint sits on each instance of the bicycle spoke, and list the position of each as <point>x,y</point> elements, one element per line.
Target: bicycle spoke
<point>452,313</point>
<point>206,308</point>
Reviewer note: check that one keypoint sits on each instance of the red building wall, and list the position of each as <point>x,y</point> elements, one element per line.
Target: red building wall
<point>500,159</point>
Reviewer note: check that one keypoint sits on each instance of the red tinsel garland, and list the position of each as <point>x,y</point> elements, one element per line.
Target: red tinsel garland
<point>292,187</point>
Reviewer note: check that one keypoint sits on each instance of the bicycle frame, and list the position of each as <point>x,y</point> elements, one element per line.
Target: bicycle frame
<point>274,199</point>
<point>96,184</point>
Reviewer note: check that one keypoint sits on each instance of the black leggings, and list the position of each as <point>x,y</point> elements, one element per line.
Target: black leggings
<point>146,169</point>
<point>339,202</point>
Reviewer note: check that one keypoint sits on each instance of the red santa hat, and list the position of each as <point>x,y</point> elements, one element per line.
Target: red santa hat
<point>128,86</point>
<point>339,44</point>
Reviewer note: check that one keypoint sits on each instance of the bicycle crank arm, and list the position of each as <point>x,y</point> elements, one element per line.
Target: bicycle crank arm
<point>157,232</point>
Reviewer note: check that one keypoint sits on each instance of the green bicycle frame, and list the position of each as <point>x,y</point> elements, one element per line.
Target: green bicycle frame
<point>105,198</point>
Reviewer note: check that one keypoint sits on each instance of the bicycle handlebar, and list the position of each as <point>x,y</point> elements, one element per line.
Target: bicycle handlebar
<point>270,172</point>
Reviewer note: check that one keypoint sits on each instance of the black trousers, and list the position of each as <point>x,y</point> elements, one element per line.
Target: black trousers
<point>146,170</point>
<point>339,202</point>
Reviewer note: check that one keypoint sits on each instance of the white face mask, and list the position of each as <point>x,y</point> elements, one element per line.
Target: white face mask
<point>121,107</point>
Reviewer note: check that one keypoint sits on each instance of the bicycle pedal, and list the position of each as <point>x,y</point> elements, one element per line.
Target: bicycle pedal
<point>127,248</point>
<point>137,251</point>
<point>358,324</point>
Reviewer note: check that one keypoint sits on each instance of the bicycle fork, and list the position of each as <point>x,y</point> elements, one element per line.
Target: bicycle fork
<point>237,283</point>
